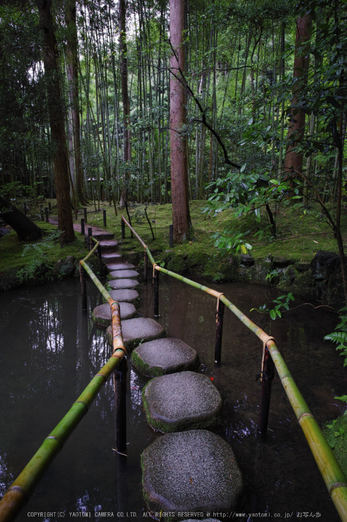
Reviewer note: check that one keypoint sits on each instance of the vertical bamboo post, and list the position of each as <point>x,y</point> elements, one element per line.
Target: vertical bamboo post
<point>82,226</point>
<point>155,282</point>
<point>85,214</point>
<point>90,232</point>
<point>46,215</point>
<point>219,332</point>
<point>100,258</point>
<point>267,378</point>
<point>145,263</point>
<point>104,215</point>
<point>83,288</point>
<point>171,236</point>
<point>123,228</point>
<point>119,377</point>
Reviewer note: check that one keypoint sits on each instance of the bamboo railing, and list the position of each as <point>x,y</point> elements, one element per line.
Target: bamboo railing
<point>22,488</point>
<point>330,470</point>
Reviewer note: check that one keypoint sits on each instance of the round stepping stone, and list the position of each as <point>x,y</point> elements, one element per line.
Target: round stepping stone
<point>100,236</point>
<point>136,330</point>
<point>111,257</point>
<point>117,284</point>
<point>101,315</point>
<point>108,244</point>
<point>180,401</point>
<point>119,266</point>
<point>128,295</point>
<point>163,356</point>
<point>191,471</point>
<point>123,274</point>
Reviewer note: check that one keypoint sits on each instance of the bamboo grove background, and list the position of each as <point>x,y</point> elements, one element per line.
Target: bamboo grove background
<point>114,65</point>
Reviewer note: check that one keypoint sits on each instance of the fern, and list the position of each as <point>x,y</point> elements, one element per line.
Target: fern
<point>339,336</point>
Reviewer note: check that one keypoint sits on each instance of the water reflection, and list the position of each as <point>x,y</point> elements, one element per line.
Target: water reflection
<point>50,351</point>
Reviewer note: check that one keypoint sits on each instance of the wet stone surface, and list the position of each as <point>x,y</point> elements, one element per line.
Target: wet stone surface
<point>128,295</point>
<point>193,471</point>
<point>117,284</point>
<point>119,266</point>
<point>163,356</point>
<point>101,315</point>
<point>181,401</point>
<point>136,330</point>
<point>123,274</point>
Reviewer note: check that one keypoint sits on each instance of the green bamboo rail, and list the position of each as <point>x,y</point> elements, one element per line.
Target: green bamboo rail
<point>22,488</point>
<point>330,470</point>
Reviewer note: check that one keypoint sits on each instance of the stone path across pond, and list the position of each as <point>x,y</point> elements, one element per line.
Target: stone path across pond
<point>187,470</point>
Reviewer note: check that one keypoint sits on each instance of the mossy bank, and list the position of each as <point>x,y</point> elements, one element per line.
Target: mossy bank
<point>30,263</point>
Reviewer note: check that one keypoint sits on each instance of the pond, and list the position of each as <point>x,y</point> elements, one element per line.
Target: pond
<point>50,350</point>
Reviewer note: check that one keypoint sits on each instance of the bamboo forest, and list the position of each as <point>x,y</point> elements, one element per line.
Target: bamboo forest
<point>202,141</point>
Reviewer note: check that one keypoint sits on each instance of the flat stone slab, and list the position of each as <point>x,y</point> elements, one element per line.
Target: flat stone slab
<point>136,330</point>
<point>119,266</point>
<point>181,401</point>
<point>128,295</point>
<point>123,274</point>
<point>100,236</point>
<point>163,356</point>
<point>117,284</point>
<point>101,315</point>
<point>108,244</point>
<point>110,257</point>
<point>191,471</point>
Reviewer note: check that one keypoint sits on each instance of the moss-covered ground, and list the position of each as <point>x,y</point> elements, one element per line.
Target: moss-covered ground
<point>300,232</point>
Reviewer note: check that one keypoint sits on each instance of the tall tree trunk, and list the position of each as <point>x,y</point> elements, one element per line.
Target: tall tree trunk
<point>124,81</point>
<point>293,161</point>
<point>72,73</point>
<point>179,171</point>
<point>57,123</point>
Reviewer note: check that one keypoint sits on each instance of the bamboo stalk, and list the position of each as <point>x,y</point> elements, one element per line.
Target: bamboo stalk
<point>329,468</point>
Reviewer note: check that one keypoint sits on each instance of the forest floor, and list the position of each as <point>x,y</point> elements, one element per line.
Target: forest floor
<point>301,232</point>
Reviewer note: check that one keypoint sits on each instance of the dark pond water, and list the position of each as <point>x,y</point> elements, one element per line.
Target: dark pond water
<point>49,351</point>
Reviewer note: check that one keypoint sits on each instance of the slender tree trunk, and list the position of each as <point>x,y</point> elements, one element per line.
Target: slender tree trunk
<point>179,172</point>
<point>124,81</point>
<point>57,123</point>
<point>72,70</point>
<point>296,129</point>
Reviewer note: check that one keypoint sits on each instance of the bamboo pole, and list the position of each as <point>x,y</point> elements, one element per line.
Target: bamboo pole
<point>22,488</point>
<point>333,476</point>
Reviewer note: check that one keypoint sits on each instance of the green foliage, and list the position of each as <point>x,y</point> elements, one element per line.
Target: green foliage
<point>233,244</point>
<point>281,302</point>
<point>339,336</point>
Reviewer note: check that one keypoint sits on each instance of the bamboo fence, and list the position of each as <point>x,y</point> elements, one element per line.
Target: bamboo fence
<point>330,470</point>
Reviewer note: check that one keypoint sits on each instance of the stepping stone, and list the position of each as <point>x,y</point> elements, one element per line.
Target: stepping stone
<point>111,257</point>
<point>101,315</point>
<point>163,356</point>
<point>108,244</point>
<point>119,266</point>
<point>117,284</point>
<point>191,471</point>
<point>128,295</point>
<point>181,401</point>
<point>123,274</point>
<point>136,330</point>
<point>101,236</point>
